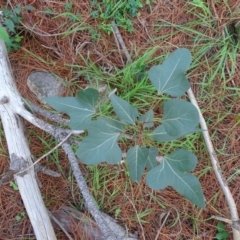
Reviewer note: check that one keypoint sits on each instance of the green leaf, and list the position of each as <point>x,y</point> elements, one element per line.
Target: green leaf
<point>222,236</point>
<point>173,172</point>
<point>15,19</point>
<point>10,24</point>
<point>151,159</point>
<point>29,7</point>
<point>18,38</point>
<point>101,143</point>
<point>4,34</point>
<point>220,227</point>
<point>88,97</point>
<point>80,109</point>
<point>222,232</point>
<point>48,11</point>
<point>159,134</point>
<point>125,111</point>
<point>136,159</point>
<point>11,45</point>
<point>68,6</point>
<point>147,119</point>
<point>18,218</point>
<point>17,9</point>
<point>179,117</point>
<point>13,185</point>
<point>169,77</point>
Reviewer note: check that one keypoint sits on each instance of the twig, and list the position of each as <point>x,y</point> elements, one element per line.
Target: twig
<point>60,225</point>
<point>111,93</point>
<point>7,177</point>
<point>137,216</point>
<point>46,154</point>
<point>38,168</point>
<point>110,232</point>
<point>216,166</point>
<point>143,23</point>
<point>90,203</point>
<point>234,224</point>
<point>223,219</point>
<point>45,170</point>
<point>44,113</point>
<point>118,35</point>
<point>160,229</point>
<point>46,127</point>
<point>118,46</point>
<point>118,230</point>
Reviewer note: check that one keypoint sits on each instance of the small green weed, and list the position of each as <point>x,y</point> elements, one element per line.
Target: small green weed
<point>77,25</point>
<point>222,232</point>
<point>9,32</point>
<point>14,186</point>
<point>20,216</point>
<point>119,11</point>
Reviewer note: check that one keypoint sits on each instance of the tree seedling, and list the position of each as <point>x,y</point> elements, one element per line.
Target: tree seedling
<point>179,118</point>
<point>20,216</point>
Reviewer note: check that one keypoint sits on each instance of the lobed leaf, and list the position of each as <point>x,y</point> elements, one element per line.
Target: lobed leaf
<point>80,109</point>
<point>101,143</point>
<point>169,77</point>
<point>173,172</point>
<point>125,111</point>
<point>179,117</point>
<point>159,134</point>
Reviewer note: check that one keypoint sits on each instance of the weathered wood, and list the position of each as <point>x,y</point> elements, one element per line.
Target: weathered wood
<point>19,152</point>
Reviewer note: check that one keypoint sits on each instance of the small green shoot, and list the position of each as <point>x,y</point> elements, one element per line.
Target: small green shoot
<point>20,216</point>
<point>68,7</point>
<point>117,212</point>
<point>11,27</point>
<point>14,186</point>
<point>119,11</point>
<point>222,232</point>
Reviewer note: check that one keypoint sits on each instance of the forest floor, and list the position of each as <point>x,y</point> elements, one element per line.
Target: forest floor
<point>75,43</point>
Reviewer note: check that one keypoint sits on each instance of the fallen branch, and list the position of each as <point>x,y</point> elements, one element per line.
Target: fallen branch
<point>21,159</point>
<point>217,169</point>
<point>44,113</point>
<point>107,227</point>
<point>20,155</point>
<point>119,41</point>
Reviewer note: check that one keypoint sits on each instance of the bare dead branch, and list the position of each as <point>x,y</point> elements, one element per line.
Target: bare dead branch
<point>118,36</point>
<point>216,167</point>
<point>44,113</point>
